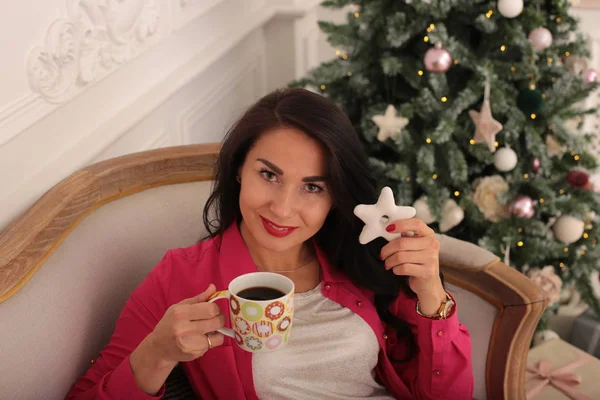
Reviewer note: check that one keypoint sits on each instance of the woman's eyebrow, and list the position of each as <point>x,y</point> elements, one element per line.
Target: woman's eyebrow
<point>310,179</point>
<point>271,165</point>
<point>279,171</point>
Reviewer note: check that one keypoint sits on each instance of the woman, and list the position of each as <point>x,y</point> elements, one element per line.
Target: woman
<point>369,322</point>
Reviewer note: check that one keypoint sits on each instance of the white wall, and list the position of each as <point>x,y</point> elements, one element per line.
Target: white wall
<point>86,80</point>
<point>589,14</point>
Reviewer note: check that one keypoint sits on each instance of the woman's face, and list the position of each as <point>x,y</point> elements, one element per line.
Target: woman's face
<point>284,198</point>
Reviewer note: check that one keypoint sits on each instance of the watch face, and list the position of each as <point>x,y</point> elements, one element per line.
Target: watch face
<point>448,308</point>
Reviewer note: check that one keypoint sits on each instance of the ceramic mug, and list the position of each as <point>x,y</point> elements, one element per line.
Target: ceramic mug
<point>259,324</point>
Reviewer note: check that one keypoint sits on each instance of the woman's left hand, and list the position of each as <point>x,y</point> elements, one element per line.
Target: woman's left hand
<point>418,258</point>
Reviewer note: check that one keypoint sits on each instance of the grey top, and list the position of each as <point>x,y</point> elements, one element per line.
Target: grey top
<point>331,355</point>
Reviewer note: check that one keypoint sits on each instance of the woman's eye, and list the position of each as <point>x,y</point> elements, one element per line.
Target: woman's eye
<point>311,188</point>
<point>268,175</point>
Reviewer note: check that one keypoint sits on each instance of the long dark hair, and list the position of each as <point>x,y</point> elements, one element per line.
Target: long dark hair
<point>349,180</point>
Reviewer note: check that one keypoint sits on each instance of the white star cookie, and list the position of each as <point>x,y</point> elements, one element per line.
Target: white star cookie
<point>377,216</point>
<point>389,124</point>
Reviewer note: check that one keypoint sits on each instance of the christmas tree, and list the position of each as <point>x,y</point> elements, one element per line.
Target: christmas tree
<point>472,112</point>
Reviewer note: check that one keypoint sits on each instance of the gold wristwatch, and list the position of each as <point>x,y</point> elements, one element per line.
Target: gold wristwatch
<point>443,312</point>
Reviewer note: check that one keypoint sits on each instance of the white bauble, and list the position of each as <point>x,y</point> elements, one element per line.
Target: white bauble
<point>452,215</point>
<point>423,210</point>
<point>505,159</point>
<point>568,229</point>
<point>510,8</point>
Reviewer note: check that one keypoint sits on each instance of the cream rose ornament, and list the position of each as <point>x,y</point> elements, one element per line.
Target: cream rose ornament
<point>547,279</point>
<point>486,194</point>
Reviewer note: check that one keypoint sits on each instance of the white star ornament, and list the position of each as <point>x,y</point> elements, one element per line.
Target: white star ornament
<point>389,124</point>
<point>377,216</point>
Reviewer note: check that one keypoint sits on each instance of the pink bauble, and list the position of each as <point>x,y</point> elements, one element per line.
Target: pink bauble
<point>590,75</point>
<point>535,165</point>
<point>437,60</point>
<point>540,38</point>
<point>522,206</point>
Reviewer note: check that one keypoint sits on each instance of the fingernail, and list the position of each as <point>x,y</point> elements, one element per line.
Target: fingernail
<point>390,228</point>
<point>381,257</point>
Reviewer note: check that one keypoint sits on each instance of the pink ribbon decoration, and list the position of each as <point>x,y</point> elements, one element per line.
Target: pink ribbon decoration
<point>562,378</point>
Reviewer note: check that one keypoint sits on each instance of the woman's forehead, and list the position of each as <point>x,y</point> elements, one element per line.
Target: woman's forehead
<point>291,149</point>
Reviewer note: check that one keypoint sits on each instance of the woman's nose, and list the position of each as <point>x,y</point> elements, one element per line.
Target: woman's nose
<point>284,202</point>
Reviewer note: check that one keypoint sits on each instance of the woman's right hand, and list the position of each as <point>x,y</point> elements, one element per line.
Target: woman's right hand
<point>181,334</point>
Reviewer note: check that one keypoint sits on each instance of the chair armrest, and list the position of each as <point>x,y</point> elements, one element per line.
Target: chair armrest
<point>520,305</point>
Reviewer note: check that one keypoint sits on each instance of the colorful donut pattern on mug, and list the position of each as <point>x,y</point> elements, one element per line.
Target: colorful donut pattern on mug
<point>238,339</point>
<point>254,343</point>
<point>262,329</point>
<point>284,324</point>
<point>242,326</point>
<point>261,326</point>
<point>235,305</point>
<point>274,310</point>
<point>274,342</point>
<point>252,311</point>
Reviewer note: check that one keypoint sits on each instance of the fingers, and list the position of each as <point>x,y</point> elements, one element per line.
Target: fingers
<point>216,339</point>
<point>201,311</point>
<point>415,225</point>
<point>416,270</point>
<point>408,244</point>
<point>209,325</point>
<point>191,334</point>
<point>195,328</point>
<point>422,264</point>
<point>195,312</point>
<point>197,343</point>
<point>422,257</point>
<point>202,297</point>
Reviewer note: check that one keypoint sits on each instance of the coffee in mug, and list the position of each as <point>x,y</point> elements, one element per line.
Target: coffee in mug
<point>261,308</point>
<point>260,293</point>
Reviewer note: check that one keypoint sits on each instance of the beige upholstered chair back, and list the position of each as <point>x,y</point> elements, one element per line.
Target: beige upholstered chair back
<point>68,265</point>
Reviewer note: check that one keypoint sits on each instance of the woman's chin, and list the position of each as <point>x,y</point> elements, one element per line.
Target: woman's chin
<point>278,244</point>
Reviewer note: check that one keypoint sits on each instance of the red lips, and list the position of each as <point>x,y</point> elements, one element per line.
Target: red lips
<point>277,230</point>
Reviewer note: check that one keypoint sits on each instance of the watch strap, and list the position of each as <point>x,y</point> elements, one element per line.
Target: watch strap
<point>443,311</point>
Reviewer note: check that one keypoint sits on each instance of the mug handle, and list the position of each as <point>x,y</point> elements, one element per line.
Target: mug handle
<point>223,294</point>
